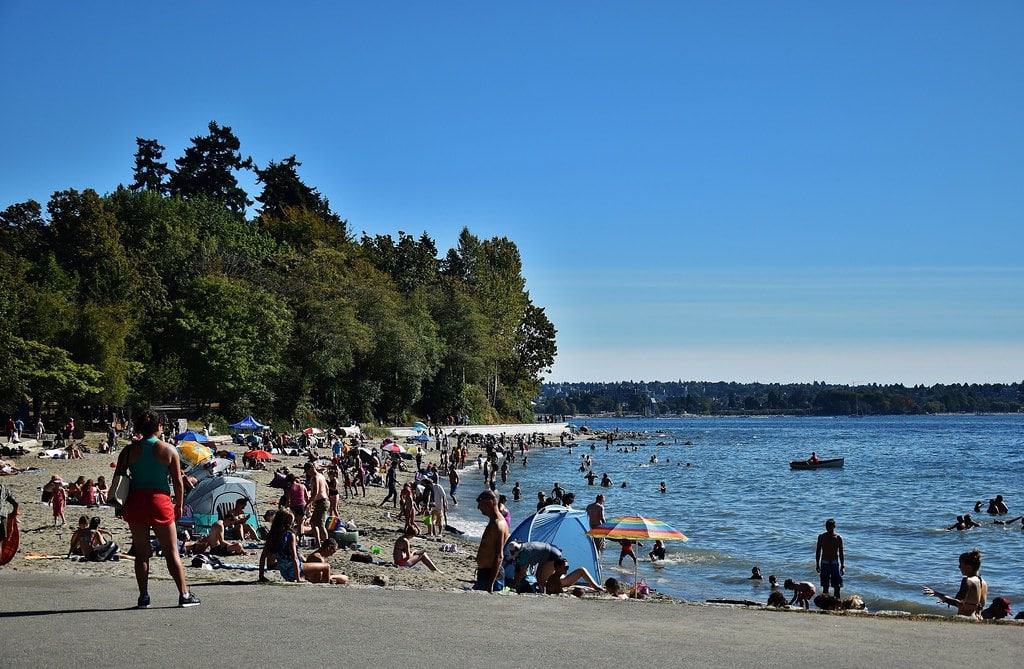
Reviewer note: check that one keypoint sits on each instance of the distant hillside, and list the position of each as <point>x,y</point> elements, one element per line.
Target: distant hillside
<point>822,399</point>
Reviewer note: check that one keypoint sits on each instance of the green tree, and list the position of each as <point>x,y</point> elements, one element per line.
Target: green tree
<point>208,168</point>
<point>23,230</point>
<point>234,334</point>
<point>150,173</point>
<point>286,197</point>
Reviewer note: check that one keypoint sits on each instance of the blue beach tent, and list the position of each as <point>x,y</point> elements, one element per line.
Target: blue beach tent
<point>191,435</point>
<point>248,423</point>
<point>562,527</point>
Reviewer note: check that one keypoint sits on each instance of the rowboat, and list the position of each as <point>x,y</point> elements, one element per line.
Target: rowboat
<point>820,464</point>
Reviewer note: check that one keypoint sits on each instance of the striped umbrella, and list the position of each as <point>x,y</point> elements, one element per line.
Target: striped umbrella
<point>637,528</point>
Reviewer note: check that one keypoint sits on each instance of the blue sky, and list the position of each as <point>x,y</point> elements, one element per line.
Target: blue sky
<point>742,191</point>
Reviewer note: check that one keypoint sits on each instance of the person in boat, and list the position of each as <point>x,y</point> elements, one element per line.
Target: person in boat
<point>997,507</point>
<point>814,459</point>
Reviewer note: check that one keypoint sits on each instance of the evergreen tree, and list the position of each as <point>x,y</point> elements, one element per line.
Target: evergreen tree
<point>150,172</point>
<point>208,169</point>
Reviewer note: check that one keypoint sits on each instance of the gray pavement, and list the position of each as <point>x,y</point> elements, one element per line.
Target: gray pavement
<point>63,621</point>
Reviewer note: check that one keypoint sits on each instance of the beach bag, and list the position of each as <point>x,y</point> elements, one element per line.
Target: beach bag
<point>120,485</point>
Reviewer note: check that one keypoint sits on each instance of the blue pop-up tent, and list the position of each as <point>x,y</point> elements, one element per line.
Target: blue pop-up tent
<point>561,527</point>
<point>248,423</point>
<point>191,435</point>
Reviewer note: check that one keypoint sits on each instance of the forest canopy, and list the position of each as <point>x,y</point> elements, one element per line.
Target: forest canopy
<point>181,288</point>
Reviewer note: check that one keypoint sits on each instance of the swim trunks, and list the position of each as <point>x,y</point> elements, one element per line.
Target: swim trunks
<point>148,507</point>
<point>319,513</point>
<point>484,578</point>
<point>831,576</point>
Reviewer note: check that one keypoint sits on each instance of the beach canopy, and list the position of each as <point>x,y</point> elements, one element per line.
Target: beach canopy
<point>420,425</point>
<point>213,496</point>
<point>192,435</point>
<point>421,438</point>
<point>562,527</point>
<point>248,423</point>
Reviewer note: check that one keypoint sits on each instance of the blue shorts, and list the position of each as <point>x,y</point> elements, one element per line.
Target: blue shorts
<point>831,576</point>
<point>454,488</point>
<point>287,568</point>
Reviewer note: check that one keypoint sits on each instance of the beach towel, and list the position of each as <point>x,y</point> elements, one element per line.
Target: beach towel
<point>12,541</point>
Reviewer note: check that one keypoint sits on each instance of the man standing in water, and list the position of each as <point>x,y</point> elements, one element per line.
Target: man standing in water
<point>490,555</point>
<point>595,514</point>
<point>829,559</point>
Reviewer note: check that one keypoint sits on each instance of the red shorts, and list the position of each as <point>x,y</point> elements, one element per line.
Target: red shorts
<point>148,507</point>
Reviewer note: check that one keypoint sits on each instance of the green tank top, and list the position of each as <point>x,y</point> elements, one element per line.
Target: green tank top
<point>148,473</point>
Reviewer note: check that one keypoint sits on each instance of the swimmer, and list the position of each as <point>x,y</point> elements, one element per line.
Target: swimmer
<point>755,574</point>
<point>663,489</point>
<point>658,552</point>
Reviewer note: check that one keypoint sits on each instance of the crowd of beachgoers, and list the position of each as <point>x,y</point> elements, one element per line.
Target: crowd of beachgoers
<point>339,503</point>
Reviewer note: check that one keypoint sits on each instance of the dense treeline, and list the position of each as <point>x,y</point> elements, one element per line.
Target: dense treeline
<point>699,397</point>
<point>167,291</point>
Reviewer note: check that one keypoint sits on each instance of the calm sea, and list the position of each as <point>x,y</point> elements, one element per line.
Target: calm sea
<point>905,480</point>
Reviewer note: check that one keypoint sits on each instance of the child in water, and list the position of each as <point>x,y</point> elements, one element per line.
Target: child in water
<point>658,552</point>
<point>627,549</point>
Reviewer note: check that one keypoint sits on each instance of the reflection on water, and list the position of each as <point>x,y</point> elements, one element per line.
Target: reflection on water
<point>904,481</point>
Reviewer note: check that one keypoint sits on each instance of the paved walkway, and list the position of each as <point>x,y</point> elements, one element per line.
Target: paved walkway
<point>63,621</point>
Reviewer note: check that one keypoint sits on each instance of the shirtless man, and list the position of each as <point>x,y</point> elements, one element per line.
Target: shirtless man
<point>316,568</point>
<point>239,518</point>
<point>489,556</point>
<point>997,507</point>
<point>405,556</point>
<point>829,558</point>
<point>595,514</point>
<point>319,502</point>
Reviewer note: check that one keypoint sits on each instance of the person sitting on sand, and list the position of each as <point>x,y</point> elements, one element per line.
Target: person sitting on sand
<point>215,544</point>
<point>405,556</point>
<point>97,544</point>
<point>316,568</point>
<point>240,519</point>
<point>614,588</point>
<point>89,494</point>
<point>755,574</point>
<point>83,530</point>
<point>560,579</point>
<point>970,599</point>
<point>281,549</point>
<point>803,592</point>
<point>101,490</point>
<point>776,599</point>
<point>996,507</point>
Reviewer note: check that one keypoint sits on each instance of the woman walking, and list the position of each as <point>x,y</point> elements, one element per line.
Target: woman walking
<point>155,468</point>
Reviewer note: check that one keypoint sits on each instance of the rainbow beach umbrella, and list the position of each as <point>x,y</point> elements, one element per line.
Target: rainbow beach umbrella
<point>636,528</point>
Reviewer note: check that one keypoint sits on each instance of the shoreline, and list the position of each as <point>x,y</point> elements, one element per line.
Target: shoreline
<point>378,527</point>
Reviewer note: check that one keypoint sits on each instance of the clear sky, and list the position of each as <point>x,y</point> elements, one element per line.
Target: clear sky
<point>702,190</point>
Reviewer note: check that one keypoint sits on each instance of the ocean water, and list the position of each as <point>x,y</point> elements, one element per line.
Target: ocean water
<point>904,481</point>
